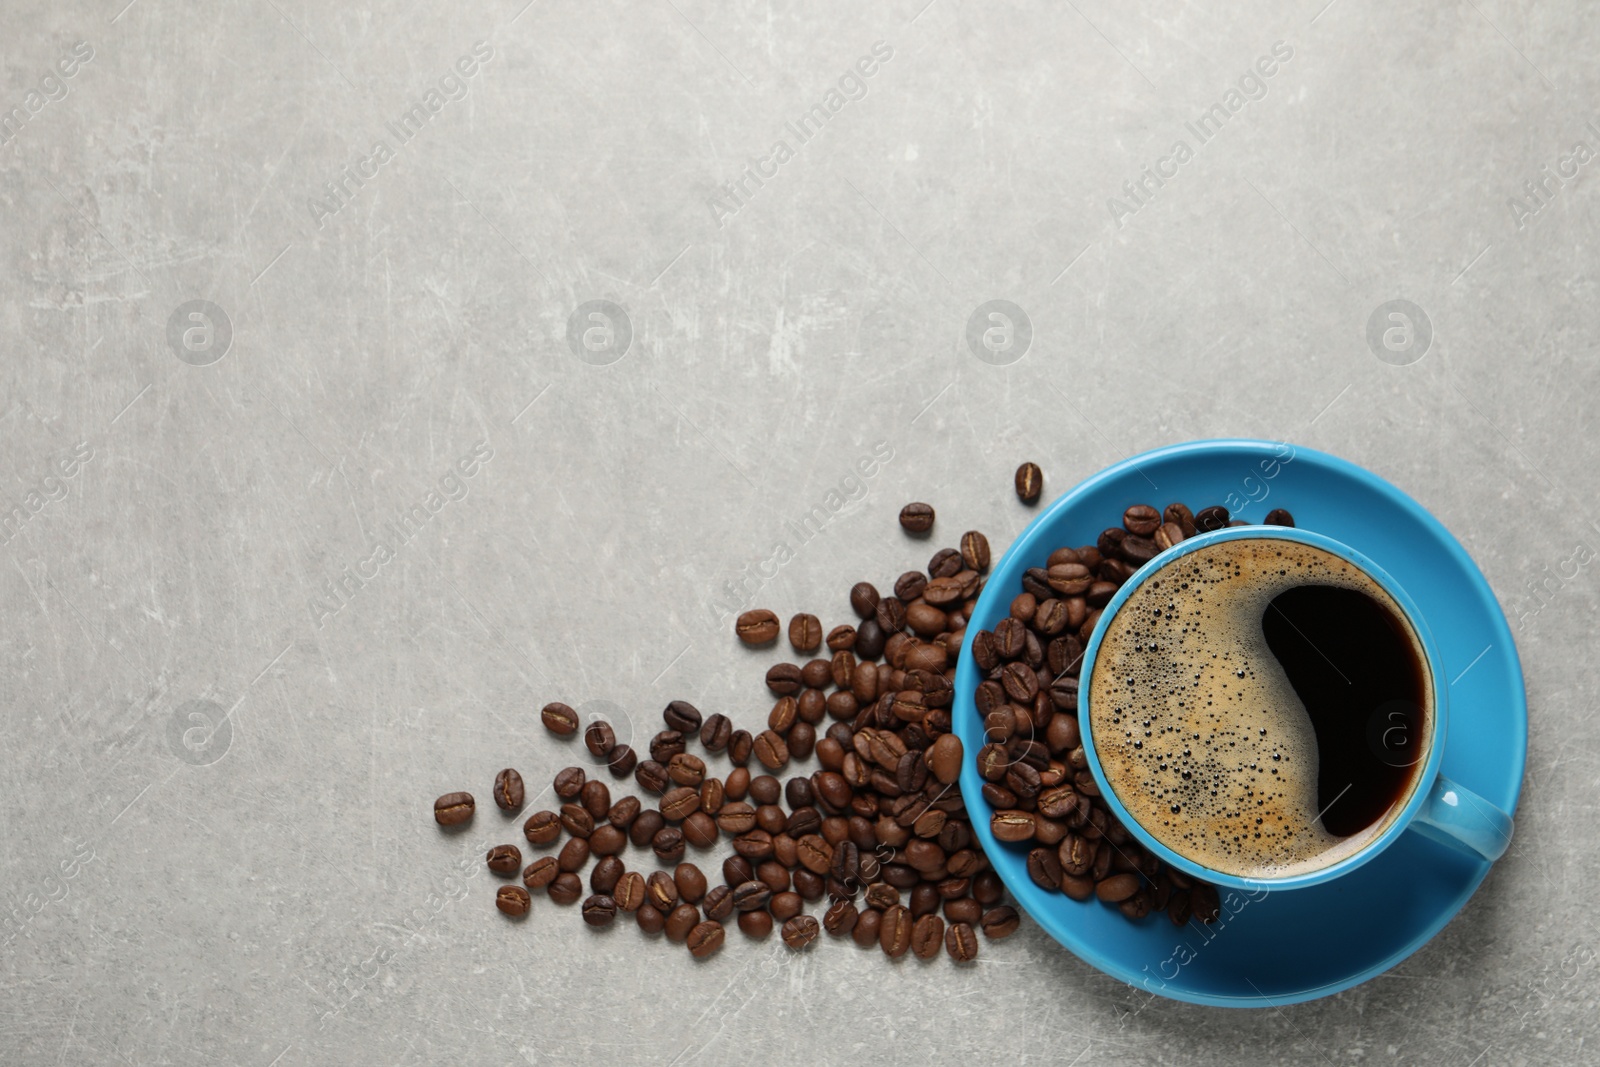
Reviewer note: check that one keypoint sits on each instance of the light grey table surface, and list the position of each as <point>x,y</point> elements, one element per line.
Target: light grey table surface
<point>217,842</point>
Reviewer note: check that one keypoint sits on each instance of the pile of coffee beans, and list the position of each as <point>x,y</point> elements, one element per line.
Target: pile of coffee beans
<point>879,830</point>
<point>1035,772</point>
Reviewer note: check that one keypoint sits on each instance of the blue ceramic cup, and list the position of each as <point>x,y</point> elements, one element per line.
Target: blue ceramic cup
<point>1436,806</point>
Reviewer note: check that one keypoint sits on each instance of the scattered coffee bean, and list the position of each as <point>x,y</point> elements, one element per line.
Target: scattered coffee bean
<point>927,935</point>
<point>961,943</point>
<point>916,518</point>
<point>504,859</point>
<point>705,939</point>
<point>629,891</point>
<point>799,932</point>
<point>1000,922</point>
<point>599,910</point>
<point>755,924</point>
<point>559,719</point>
<point>650,920</point>
<point>595,798</point>
<point>1030,483</point>
<point>894,935</point>
<point>513,900</point>
<point>757,626</point>
<point>599,739</point>
<point>508,790</point>
<point>680,921</point>
<point>452,809</point>
<point>568,782</point>
<point>805,632</point>
<point>682,716</point>
<point>541,872</point>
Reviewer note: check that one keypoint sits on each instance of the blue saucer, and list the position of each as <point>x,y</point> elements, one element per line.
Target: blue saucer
<point>1285,946</point>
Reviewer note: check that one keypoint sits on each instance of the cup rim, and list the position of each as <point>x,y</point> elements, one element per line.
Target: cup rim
<point>1422,783</point>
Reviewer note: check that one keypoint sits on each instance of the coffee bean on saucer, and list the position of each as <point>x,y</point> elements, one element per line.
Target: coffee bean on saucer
<point>1116,888</point>
<point>508,790</point>
<point>1180,515</point>
<point>758,626</point>
<point>1278,517</point>
<point>559,719</point>
<point>1141,519</point>
<point>452,809</point>
<point>1213,518</point>
<point>513,900</point>
<point>1029,483</point>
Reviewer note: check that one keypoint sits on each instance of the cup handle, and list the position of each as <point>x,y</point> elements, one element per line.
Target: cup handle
<point>1454,815</point>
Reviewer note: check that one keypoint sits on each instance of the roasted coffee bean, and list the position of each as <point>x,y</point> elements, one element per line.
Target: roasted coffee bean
<point>805,632</point>
<point>541,872</point>
<point>599,910</point>
<point>504,859</point>
<point>513,900</point>
<point>1116,888</point>
<point>751,895</point>
<point>1141,519</point>
<point>894,933</point>
<point>599,739</point>
<point>811,887</point>
<point>771,750</point>
<point>802,740</point>
<point>1044,868</point>
<point>1205,902</point>
<point>963,910</point>
<point>681,717</point>
<point>882,895</point>
<point>1213,518</point>
<point>927,936</point>
<point>622,761</point>
<point>1167,535</point>
<point>799,932</point>
<point>1000,922</point>
<point>1029,483</point>
<point>867,927</point>
<point>784,679</point>
<point>705,939</point>
<point>961,943</point>
<point>1034,581</point>
<point>863,599</point>
<point>566,889</point>
<point>736,818</point>
<point>661,890</point>
<point>568,782</point>
<point>785,905</point>
<point>784,714</point>
<point>1138,550</point>
<point>841,638</point>
<point>595,797</point>
<point>700,830</point>
<point>559,719</point>
<point>680,921</point>
<point>574,854</point>
<point>629,891</point>
<point>924,899</point>
<point>737,869</point>
<point>891,615</point>
<point>1180,516</point>
<point>690,882</point>
<point>542,828</point>
<point>652,776</point>
<point>1178,907</point>
<point>718,903</point>
<point>1278,517</point>
<point>975,551</point>
<point>987,888</point>
<point>909,586</point>
<point>1069,579</point>
<point>712,796</point>
<point>668,844</point>
<point>870,639</point>
<point>755,924</point>
<point>607,840</point>
<point>1077,886</point>
<point>1020,681</point>
<point>736,786</point>
<point>946,563</point>
<point>686,770</point>
<point>840,918</point>
<point>714,733</point>
<point>757,626</point>
<point>508,790</point>
<point>774,874</point>
<point>739,744</point>
<point>645,827</point>
<point>452,809</point>
<point>944,758</point>
<point>576,820</point>
<point>916,518</point>
<point>665,745</point>
<point>650,920</point>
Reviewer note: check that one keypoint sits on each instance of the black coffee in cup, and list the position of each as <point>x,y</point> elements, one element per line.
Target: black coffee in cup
<point>1233,705</point>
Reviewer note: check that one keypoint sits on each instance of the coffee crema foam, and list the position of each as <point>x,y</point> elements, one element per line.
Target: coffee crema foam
<point>1196,723</point>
